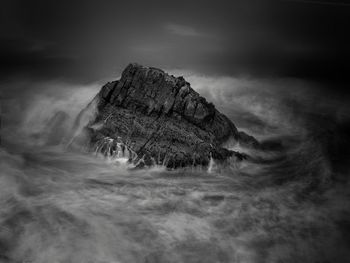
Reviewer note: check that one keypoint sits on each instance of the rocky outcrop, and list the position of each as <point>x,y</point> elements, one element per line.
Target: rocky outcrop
<point>154,117</point>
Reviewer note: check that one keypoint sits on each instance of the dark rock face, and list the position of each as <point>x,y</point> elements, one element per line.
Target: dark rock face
<point>161,119</point>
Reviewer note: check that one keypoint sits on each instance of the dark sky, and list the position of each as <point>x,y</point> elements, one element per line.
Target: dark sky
<point>90,40</point>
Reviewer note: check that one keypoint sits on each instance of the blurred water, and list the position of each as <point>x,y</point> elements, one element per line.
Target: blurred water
<point>61,206</point>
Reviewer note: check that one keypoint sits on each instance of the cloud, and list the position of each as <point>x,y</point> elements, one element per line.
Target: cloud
<point>183,30</point>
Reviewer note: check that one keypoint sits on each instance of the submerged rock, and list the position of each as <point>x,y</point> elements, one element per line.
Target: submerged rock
<point>161,120</point>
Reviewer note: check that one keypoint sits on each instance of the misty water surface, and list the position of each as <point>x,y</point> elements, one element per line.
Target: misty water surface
<point>65,204</point>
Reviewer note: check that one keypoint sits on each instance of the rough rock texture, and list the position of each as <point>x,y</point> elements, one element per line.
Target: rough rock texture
<point>162,119</point>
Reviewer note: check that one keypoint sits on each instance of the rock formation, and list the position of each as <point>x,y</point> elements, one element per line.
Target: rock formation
<point>152,117</point>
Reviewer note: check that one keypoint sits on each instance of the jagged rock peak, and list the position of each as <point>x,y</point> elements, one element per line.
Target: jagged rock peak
<point>160,117</point>
<point>153,92</point>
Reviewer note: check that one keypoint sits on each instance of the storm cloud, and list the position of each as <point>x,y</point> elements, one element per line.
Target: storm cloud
<point>89,40</point>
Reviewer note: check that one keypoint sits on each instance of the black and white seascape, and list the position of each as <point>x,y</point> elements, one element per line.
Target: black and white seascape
<point>173,131</point>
